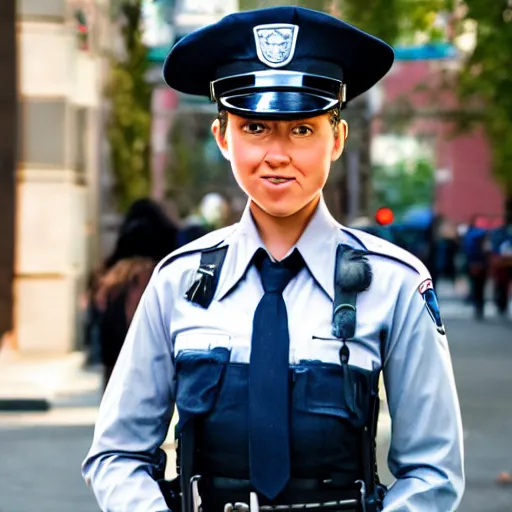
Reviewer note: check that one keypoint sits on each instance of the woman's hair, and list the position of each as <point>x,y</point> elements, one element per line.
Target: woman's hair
<point>334,119</point>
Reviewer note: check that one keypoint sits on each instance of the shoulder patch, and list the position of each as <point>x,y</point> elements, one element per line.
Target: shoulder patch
<point>426,289</point>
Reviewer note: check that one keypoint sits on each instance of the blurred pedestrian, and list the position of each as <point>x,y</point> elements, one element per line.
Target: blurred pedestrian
<point>501,242</point>
<point>92,320</point>
<point>211,214</point>
<point>194,226</point>
<point>476,251</point>
<point>146,231</point>
<point>117,297</point>
<point>145,237</point>
<point>448,249</point>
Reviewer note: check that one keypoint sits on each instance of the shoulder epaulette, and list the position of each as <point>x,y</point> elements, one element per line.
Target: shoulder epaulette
<point>375,246</point>
<point>353,236</point>
<point>203,288</point>
<point>207,242</point>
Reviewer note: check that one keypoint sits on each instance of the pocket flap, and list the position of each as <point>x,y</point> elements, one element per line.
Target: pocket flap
<point>199,373</point>
<point>334,390</point>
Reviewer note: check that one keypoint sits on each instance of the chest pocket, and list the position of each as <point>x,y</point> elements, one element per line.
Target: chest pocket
<point>330,407</point>
<point>333,390</point>
<point>199,377</point>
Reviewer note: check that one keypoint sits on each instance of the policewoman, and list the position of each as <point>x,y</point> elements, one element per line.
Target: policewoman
<point>269,336</point>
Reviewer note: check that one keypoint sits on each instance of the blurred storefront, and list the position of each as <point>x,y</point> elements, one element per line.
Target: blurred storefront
<point>60,48</point>
<point>419,107</point>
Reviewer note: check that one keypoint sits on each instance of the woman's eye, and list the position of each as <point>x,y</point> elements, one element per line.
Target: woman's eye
<point>302,130</point>
<point>254,128</point>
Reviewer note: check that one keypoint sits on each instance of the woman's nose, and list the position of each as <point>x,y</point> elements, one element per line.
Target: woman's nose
<point>277,156</point>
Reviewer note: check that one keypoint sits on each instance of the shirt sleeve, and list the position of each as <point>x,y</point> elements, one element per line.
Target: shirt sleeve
<point>135,413</point>
<point>426,452</point>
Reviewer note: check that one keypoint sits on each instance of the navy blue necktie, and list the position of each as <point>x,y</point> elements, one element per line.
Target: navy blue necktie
<point>269,429</point>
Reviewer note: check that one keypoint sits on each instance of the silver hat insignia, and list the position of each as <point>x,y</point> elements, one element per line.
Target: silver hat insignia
<point>275,43</point>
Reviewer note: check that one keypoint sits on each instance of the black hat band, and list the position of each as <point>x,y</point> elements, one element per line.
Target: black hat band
<point>261,81</point>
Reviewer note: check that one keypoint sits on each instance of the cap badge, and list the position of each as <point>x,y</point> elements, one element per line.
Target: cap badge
<point>275,43</point>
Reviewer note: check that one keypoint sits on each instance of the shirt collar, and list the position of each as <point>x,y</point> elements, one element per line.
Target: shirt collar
<point>317,245</point>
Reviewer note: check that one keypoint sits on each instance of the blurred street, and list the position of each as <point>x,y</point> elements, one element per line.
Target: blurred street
<point>42,452</point>
<point>482,354</point>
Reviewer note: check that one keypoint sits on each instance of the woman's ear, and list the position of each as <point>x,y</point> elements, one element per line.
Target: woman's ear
<point>220,139</point>
<point>339,140</point>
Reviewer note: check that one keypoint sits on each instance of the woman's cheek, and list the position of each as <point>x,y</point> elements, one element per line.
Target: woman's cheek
<point>240,151</point>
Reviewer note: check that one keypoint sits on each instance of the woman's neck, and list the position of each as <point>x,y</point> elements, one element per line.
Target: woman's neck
<point>280,234</point>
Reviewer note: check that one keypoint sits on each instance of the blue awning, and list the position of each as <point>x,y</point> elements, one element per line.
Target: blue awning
<point>429,51</point>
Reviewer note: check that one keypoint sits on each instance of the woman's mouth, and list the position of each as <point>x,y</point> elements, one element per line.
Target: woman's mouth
<point>277,180</point>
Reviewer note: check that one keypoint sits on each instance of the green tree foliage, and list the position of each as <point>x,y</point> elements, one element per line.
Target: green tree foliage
<point>403,186</point>
<point>391,20</point>
<point>129,122</point>
<point>197,166</point>
<point>485,82</point>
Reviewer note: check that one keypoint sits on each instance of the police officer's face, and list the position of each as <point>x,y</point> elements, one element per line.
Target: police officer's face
<point>281,165</point>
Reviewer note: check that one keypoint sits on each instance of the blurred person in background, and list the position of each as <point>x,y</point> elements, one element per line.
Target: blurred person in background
<point>476,250</point>
<point>146,231</point>
<point>501,243</point>
<point>211,214</point>
<point>92,320</point>
<point>447,251</point>
<point>117,297</point>
<point>145,237</point>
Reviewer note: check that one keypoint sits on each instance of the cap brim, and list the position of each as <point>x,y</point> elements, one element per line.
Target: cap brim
<point>278,104</point>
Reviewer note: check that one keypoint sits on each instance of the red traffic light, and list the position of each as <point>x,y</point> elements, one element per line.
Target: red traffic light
<point>384,216</point>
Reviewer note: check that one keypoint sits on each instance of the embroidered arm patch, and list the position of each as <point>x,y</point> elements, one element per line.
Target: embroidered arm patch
<point>426,288</point>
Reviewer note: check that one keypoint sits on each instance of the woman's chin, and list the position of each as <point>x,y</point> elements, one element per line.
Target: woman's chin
<point>279,209</point>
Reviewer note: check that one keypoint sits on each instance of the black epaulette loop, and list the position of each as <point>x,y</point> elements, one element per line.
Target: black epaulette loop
<point>204,286</point>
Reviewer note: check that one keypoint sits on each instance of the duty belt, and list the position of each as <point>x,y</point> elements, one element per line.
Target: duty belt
<point>216,494</point>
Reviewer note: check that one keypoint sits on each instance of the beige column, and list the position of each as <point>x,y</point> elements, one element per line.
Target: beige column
<point>59,87</point>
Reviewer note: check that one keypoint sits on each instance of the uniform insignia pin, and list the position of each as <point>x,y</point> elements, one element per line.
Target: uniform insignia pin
<point>275,43</point>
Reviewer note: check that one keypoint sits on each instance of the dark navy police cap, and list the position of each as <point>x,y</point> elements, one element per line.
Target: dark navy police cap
<point>280,62</point>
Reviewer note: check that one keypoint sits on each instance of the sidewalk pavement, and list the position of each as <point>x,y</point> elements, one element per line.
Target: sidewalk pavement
<point>38,383</point>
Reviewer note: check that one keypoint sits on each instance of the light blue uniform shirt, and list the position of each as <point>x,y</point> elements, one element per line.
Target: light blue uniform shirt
<point>426,454</point>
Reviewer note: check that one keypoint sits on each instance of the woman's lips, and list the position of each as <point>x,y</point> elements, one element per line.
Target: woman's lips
<point>277,180</point>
